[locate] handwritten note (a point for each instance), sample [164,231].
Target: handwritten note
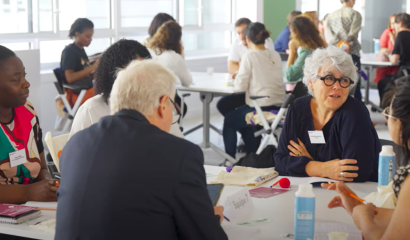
[239,206]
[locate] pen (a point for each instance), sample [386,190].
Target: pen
[359,199]
[227,219]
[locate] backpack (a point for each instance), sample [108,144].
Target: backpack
[263,160]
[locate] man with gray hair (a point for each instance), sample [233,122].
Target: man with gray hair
[125,177]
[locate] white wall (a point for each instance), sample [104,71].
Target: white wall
[31,61]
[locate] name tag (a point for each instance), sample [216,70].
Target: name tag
[316,137]
[17,157]
[239,206]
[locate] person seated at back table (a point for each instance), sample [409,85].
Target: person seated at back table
[260,74]
[328,133]
[305,35]
[117,56]
[381,223]
[282,41]
[74,65]
[157,22]
[238,49]
[133,178]
[20,133]
[401,51]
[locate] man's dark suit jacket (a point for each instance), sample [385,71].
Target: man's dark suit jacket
[124,178]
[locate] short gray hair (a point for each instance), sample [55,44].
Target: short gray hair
[330,57]
[140,86]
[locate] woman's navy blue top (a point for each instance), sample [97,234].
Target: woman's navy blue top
[349,134]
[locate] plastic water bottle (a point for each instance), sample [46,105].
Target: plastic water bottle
[376,45]
[387,167]
[305,212]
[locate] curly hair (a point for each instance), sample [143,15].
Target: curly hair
[167,37]
[117,56]
[305,33]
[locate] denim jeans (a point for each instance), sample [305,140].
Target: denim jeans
[235,122]
[231,102]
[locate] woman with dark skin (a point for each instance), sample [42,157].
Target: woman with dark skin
[20,133]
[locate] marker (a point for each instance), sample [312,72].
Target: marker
[359,199]
[57,184]
[227,219]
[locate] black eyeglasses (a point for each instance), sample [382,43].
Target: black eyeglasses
[176,112]
[386,114]
[329,80]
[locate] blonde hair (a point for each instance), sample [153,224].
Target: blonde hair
[140,86]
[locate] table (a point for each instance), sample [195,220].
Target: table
[368,61]
[209,86]
[280,209]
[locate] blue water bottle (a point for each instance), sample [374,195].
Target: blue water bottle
[305,212]
[387,167]
[376,45]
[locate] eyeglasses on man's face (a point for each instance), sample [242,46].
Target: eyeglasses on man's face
[176,112]
[329,80]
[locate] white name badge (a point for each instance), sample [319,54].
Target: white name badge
[316,137]
[239,206]
[17,157]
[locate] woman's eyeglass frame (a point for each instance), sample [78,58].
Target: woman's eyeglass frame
[386,114]
[335,80]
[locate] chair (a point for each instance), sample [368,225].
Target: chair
[268,130]
[61,85]
[405,70]
[55,144]
[181,120]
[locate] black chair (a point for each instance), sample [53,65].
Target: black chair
[61,85]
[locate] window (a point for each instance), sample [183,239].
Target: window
[139,13]
[98,11]
[245,8]
[310,5]
[206,40]
[190,16]
[216,11]
[15,14]
[17,46]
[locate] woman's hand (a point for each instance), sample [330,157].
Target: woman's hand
[343,200]
[298,150]
[219,211]
[333,169]
[43,191]
[363,211]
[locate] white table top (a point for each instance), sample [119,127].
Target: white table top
[369,59]
[280,209]
[215,83]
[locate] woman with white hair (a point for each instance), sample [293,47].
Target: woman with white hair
[328,133]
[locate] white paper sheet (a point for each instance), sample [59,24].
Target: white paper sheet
[323,228]
[42,204]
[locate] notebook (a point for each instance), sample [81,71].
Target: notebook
[15,214]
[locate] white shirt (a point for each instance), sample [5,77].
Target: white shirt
[95,108]
[174,62]
[238,49]
[260,74]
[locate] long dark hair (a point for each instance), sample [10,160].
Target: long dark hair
[80,25]
[118,55]
[306,34]
[158,20]
[257,33]
[401,109]
[167,37]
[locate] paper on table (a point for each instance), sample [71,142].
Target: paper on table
[322,229]
[42,204]
[236,232]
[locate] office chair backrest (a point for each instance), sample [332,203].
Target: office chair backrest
[60,80]
[300,90]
